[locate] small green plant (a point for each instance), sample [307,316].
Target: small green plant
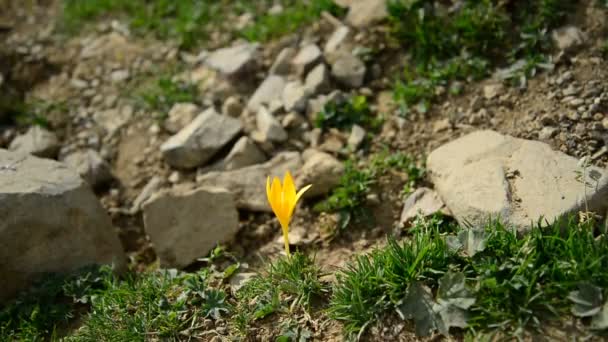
[349,197]
[289,283]
[512,284]
[294,15]
[165,93]
[346,113]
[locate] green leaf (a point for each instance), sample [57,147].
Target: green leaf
[453,300]
[418,305]
[587,300]
[473,240]
[229,271]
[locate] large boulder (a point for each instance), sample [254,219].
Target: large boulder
[185,224]
[51,222]
[198,142]
[249,184]
[486,174]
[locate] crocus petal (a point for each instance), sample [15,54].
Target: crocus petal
[275,195]
[289,193]
[302,191]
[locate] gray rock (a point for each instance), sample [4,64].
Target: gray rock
[307,58]
[295,96]
[112,120]
[271,89]
[149,189]
[282,63]
[547,133]
[186,224]
[244,153]
[51,222]
[232,107]
[337,39]
[180,115]
[423,201]
[90,166]
[36,141]
[348,70]
[293,120]
[357,136]
[486,174]
[248,184]
[200,140]
[317,80]
[321,170]
[269,126]
[568,38]
[362,13]
[233,60]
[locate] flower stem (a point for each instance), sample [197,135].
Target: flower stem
[286,240]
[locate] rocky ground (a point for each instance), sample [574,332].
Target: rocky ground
[177,143]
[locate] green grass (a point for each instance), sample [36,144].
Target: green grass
[346,113]
[295,15]
[469,42]
[288,284]
[506,283]
[349,197]
[162,94]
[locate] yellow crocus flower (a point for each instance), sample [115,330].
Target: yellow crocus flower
[283,199]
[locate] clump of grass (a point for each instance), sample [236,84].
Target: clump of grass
[295,15]
[349,197]
[514,283]
[458,43]
[164,93]
[346,113]
[50,305]
[289,283]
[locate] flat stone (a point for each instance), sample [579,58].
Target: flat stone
[180,115]
[90,166]
[357,136]
[307,58]
[153,186]
[282,63]
[348,70]
[248,184]
[271,89]
[321,170]
[233,60]
[363,13]
[423,201]
[568,38]
[337,40]
[36,141]
[51,223]
[244,153]
[486,174]
[317,81]
[295,96]
[269,127]
[185,224]
[198,142]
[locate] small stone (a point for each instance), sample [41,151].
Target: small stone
[547,133]
[295,96]
[568,38]
[233,60]
[293,120]
[244,153]
[317,80]
[348,70]
[186,224]
[333,144]
[232,107]
[180,115]
[269,126]
[149,189]
[491,91]
[239,280]
[337,40]
[282,63]
[321,170]
[363,13]
[36,141]
[307,57]
[423,201]
[271,89]
[441,125]
[198,142]
[90,166]
[119,76]
[357,136]
[174,177]
[112,120]
[78,83]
